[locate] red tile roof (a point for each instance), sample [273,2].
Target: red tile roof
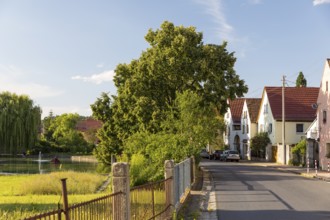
[88,124]
[298,102]
[236,107]
[253,105]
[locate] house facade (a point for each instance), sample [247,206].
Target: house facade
[233,134]
[299,115]
[249,124]
[323,111]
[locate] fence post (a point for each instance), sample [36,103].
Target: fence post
[169,185]
[65,199]
[120,183]
[193,170]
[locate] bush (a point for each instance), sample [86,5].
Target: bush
[299,151]
[139,170]
[259,143]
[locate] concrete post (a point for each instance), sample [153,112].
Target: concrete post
[193,170]
[120,183]
[169,185]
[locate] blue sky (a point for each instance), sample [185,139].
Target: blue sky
[63,53]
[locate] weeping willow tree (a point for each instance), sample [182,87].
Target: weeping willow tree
[20,123]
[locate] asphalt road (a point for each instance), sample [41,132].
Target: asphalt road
[245,191]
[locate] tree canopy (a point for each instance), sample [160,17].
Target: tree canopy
[62,133]
[177,61]
[20,123]
[301,81]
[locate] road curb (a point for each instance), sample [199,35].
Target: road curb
[208,205]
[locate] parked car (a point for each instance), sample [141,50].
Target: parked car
[217,154]
[204,153]
[224,155]
[232,155]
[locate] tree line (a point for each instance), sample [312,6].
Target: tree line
[20,123]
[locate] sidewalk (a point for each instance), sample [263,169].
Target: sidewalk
[201,204]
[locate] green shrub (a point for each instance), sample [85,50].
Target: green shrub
[139,170]
[259,143]
[299,151]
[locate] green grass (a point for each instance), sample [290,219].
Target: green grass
[26,195]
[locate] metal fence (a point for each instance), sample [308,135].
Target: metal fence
[52,215]
[97,209]
[182,180]
[151,201]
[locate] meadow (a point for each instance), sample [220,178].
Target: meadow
[26,195]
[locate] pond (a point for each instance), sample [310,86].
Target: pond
[40,165]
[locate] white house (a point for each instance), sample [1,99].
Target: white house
[232,137]
[299,115]
[323,109]
[249,124]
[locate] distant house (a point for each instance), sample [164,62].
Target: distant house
[232,137]
[299,115]
[88,124]
[249,124]
[323,109]
[88,128]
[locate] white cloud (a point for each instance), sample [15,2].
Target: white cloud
[320,2]
[216,10]
[106,76]
[15,80]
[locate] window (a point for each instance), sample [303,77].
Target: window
[244,114]
[326,86]
[270,128]
[324,116]
[247,129]
[299,128]
[236,127]
[327,153]
[265,108]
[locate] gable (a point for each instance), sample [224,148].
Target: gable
[253,106]
[236,107]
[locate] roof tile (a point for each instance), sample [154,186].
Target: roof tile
[236,107]
[253,105]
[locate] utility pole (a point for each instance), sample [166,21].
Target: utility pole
[283,119]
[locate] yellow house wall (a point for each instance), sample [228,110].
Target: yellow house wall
[291,136]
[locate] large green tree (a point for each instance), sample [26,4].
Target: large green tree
[188,127]
[176,61]
[20,123]
[61,130]
[301,81]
